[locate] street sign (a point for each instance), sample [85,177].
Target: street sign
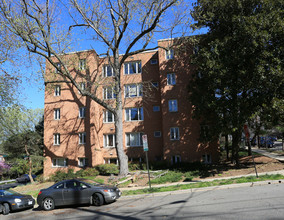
[145,142]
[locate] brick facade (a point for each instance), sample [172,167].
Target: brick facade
[171,131]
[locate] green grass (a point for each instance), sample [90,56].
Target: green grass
[204,184]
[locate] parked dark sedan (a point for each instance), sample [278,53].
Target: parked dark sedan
[25,178]
[12,201]
[73,192]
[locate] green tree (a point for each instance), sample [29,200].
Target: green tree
[239,62]
[125,27]
[24,132]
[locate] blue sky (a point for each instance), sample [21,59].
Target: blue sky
[32,88]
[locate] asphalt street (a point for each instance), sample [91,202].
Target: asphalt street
[245,201]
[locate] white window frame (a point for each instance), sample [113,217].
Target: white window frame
[171,79]
[56,139]
[173,105]
[82,64]
[138,143]
[137,66]
[56,160]
[106,114]
[56,113]
[156,108]
[106,140]
[57,90]
[82,112]
[140,112]
[169,54]
[82,161]
[174,133]
[82,137]
[107,91]
[133,90]
[157,134]
[105,70]
[107,160]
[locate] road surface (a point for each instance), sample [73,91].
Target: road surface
[249,202]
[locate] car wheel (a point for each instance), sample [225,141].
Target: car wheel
[48,204]
[97,199]
[6,209]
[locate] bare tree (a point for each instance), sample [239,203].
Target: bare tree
[121,26]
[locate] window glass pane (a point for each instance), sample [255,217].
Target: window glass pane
[110,141]
[126,68]
[139,67]
[132,68]
[134,114]
[141,114]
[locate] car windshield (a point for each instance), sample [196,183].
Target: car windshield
[8,192]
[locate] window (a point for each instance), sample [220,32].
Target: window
[82,111]
[134,114]
[153,61]
[56,139]
[157,133]
[134,139]
[82,64]
[59,162]
[169,54]
[82,86]
[173,106]
[176,159]
[108,117]
[133,90]
[57,90]
[57,113]
[109,140]
[107,71]
[204,132]
[174,133]
[82,138]
[132,67]
[58,67]
[111,161]
[171,79]
[82,161]
[109,93]
[155,84]
[156,108]
[206,158]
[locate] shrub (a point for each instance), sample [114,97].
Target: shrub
[107,169]
[169,177]
[190,175]
[61,175]
[87,172]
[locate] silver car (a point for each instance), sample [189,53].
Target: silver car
[73,192]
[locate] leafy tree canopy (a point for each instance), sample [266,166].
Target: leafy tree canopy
[239,61]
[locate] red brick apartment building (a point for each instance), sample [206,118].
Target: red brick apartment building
[79,132]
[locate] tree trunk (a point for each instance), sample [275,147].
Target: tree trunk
[236,135]
[227,146]
[30,163]
[122,157]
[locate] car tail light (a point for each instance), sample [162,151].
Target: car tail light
[39,193]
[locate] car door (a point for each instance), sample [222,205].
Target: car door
[84,192]
[71,193]
[57,194]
